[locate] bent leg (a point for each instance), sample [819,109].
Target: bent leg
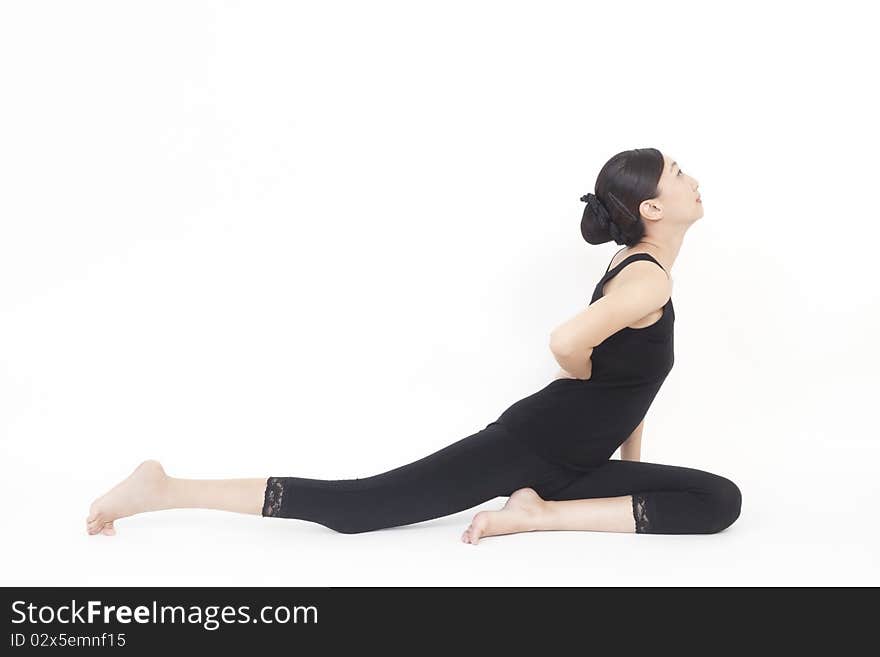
[665,499]
[487,464]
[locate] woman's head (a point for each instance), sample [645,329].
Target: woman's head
[635,191]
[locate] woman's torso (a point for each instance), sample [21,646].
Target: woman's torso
[642,351]
[581,422]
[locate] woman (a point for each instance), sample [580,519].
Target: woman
[549,452]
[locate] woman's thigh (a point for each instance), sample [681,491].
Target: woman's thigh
[487,464]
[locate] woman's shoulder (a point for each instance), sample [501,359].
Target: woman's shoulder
[642,271]
[626,254]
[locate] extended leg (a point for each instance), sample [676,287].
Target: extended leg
[149,488]
[484,465]
[480,467]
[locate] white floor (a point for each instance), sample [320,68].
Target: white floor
[807,519]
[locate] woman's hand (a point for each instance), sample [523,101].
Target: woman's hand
[574,366]
[565,374]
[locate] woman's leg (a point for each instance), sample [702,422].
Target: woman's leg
[487,464]
[473,470]
[623,496]
[149,488]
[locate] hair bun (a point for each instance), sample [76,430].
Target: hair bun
[597,226]
[595,204]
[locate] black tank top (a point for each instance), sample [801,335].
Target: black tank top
[580,423]
[636,355]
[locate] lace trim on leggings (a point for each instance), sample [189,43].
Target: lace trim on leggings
[640,513]
[273,496]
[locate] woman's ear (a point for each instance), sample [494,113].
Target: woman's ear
[650,209]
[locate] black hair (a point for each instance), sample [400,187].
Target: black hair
[627,179]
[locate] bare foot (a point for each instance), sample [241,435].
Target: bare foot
[143,490]
[518,515]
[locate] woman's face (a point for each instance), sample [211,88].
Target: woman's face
[679,194]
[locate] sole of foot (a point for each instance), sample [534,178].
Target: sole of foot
[141,491]
[517,515]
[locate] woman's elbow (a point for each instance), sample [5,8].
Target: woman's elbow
[560,344]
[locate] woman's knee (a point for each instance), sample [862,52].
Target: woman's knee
[726,500]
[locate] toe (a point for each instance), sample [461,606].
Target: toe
[94,510]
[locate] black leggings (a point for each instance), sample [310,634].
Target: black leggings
[666,499]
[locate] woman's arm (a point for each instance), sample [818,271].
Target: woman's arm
[580,368]
[562,373]
[631,449]
[641,289]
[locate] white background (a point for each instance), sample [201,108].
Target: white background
[327,239]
